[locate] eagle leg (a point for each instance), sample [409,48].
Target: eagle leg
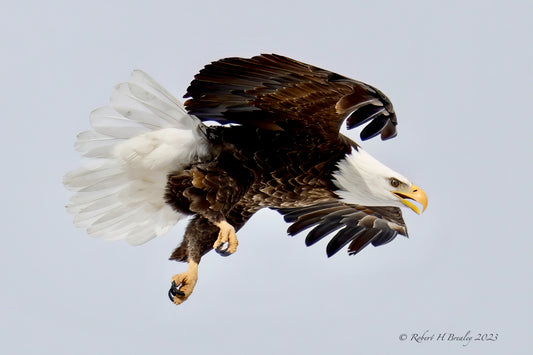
[226,235]
[183,284]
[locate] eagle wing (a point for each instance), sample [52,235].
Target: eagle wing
[357,225]
[275,92]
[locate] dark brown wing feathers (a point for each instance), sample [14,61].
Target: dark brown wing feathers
[358,225]
[275,92]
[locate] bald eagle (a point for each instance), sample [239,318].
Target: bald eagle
[274,142]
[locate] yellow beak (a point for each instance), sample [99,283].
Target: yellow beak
[416,194]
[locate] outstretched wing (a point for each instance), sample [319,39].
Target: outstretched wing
[357,225]
[275,92]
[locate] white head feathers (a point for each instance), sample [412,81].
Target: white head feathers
[363,180]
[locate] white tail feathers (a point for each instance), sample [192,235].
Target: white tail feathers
[136,141]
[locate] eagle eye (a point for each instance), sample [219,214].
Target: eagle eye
[394,182]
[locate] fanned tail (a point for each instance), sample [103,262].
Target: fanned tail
[135,142]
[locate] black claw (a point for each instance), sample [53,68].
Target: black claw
[170,295]
[174,291]
[222,252]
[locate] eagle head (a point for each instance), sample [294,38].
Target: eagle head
[363,180]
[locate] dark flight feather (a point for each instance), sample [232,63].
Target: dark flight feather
[362,115]
[384,238]
[363,240]
[292,214]
[374,128]
[322,230]
[342,238]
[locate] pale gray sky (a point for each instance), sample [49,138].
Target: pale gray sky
[460,76]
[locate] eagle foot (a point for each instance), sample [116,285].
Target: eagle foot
[174,291]
[183,284]
[227,237]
